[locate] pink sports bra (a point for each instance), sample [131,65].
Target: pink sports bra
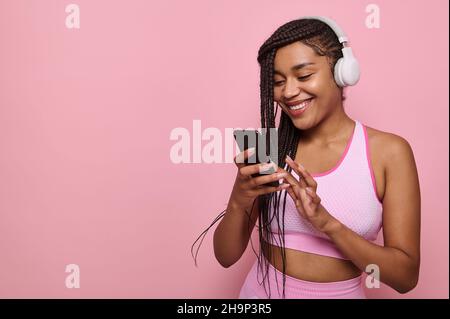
[347,191]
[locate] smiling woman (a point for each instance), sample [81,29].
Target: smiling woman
[314,76]
[353,180]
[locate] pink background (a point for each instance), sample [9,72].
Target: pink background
[85,119]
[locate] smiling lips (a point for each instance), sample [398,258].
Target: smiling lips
[297,109]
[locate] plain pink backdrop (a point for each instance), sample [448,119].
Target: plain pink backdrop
[86,115]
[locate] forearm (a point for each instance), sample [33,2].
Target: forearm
[232,235]
[397,268]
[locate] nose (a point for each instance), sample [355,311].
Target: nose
[291,89]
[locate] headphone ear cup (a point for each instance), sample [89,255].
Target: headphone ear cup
[350,71]
[347,69]
[338,73]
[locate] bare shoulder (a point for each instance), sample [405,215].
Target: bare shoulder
[390,148]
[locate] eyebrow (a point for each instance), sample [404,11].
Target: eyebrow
[296,67]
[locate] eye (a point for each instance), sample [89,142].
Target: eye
[278,83]
[302,78]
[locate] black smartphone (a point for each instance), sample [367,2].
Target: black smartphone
[252,138]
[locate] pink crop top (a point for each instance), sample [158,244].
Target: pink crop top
[347,191]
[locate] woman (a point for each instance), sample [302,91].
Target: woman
[342,182]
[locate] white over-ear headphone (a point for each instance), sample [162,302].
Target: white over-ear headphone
[346,70]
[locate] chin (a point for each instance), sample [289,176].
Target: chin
[302,123]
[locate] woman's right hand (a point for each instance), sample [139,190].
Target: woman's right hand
[246,188]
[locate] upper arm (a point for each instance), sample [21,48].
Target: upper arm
[401,202]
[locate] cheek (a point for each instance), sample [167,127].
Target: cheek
[319,86]
[314,87]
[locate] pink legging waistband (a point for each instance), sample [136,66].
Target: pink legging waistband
[253,288]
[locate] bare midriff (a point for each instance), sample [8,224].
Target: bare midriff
[312,267]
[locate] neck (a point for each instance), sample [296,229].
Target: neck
[333,127]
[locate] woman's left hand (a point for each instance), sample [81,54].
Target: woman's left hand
[304,195]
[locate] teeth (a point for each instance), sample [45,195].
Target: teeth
[300,106]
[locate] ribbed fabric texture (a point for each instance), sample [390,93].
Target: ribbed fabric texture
[347,191]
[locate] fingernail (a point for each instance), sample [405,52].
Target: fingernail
[251,151]
[284,186]
[309,190]
[289,158]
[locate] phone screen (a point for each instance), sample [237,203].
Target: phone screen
[252,138]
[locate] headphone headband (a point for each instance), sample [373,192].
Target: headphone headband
[346,69]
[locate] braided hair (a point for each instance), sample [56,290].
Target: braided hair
[323,40]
